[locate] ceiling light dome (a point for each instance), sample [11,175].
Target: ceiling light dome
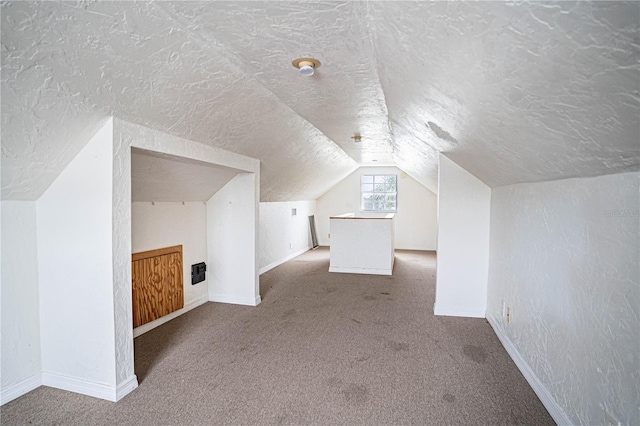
[306,70]
[307,66]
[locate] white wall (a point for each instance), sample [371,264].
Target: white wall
[166,224]
[282,235]
[362,245]
[463,242]
[232,221]
[564,257]
[416,225]
[74,226]
[21,362]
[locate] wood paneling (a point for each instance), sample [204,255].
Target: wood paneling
[156,284]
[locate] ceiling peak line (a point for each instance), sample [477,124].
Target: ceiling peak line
[368,28]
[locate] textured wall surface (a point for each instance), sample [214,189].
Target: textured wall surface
[123,136]
[74,228]
[564,257]
[415,220]
[19,293]
[463,242]
[171,224]
[281,233]
[512,91]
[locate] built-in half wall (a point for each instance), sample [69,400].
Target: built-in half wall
[362,244]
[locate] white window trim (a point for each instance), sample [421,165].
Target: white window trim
[375,192]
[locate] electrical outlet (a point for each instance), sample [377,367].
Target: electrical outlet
[290,245]
[508,315]
[609,420]
[504,309]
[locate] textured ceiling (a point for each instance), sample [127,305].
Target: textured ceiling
[513,92]
[161,177]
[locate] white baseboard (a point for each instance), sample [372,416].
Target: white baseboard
[281,261]
[153,324]
[556,412]
[235,300]
[14,391]
[126,387]
[71,384]
[459,312]
[84,387]
[368,271]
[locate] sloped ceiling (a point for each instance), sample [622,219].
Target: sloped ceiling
[513,92]
[160,177]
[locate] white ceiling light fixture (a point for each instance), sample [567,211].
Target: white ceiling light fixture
[307,66]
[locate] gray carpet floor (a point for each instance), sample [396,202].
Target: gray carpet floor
[321,349]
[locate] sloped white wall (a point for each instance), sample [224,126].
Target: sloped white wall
[463,242]
[74,227]
[282,235]
[564,257]
[21,361]
[416,224]
[165,224]
[232,221]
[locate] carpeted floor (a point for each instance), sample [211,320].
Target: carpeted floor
[321,349]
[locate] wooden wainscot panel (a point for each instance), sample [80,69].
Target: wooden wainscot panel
[156,284]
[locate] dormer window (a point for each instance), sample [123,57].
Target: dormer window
[379,193]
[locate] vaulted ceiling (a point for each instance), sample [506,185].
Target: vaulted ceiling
[513,92]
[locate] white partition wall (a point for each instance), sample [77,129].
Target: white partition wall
[74,228]
[463,242]
[232,216]
[21,361]
[362,244]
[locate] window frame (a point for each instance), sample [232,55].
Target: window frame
[373,191]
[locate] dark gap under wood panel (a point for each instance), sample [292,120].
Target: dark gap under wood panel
[157,286]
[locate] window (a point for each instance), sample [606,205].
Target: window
[379,193]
